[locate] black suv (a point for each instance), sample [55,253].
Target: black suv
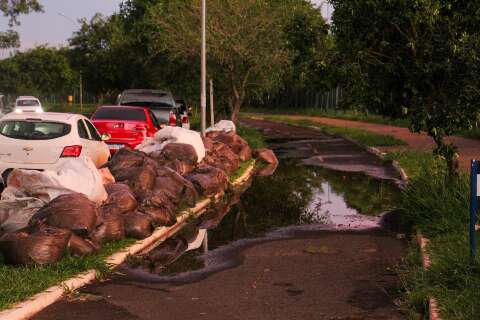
[161,102]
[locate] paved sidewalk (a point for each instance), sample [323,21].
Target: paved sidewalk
[468,148]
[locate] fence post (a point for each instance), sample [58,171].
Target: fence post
[473,208]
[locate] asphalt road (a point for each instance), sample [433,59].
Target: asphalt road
[317,274]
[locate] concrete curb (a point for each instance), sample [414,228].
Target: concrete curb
[27,309]
[433,309]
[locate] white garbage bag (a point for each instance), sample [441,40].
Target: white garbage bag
[18,212]
[173,135]
[76,175]
[223,125]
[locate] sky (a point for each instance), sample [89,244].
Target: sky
[56,25]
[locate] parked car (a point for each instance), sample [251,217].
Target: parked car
[126,126]
[44,141]
[160,102]
[184,113]
[28,104]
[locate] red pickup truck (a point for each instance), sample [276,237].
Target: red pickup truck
[127,126]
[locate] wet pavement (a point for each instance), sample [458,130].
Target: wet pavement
[304,243]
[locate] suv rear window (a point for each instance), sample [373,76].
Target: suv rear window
[120,114]
[27,103]
[33,130]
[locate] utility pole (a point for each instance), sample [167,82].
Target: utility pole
[203,94]
[212,107]
[81,93]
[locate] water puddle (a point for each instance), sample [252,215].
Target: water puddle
[296,201]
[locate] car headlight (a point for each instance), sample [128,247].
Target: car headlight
[18,110]
[38,110]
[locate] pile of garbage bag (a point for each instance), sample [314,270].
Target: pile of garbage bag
[80,208]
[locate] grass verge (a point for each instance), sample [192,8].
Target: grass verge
[361,136]
[353,115]
[18,283]
[241,170]
[438,207]
[254,138]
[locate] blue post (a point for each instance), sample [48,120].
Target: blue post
[473,208]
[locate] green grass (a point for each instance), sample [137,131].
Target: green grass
[18,283]
[353,115]
[361,136]
[438,207]
[241,170]
[414,162]
[254,138]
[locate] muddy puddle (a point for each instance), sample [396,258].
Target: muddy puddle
[296,201]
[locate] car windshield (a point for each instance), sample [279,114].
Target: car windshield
[27,103]
[33,130]
[124,114]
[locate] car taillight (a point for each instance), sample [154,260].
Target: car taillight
[172,120]
[71,152]
[185,119]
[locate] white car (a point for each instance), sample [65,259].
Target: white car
[44,141]
[28,104]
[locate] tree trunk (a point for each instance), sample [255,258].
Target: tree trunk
[449,152]
[236,105]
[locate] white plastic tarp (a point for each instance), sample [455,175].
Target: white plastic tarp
[76,175]
[173,135]
[223,125]
[17,213]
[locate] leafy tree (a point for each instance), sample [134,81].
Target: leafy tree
[11,9]
[41,71]
[418,58]
[246,44]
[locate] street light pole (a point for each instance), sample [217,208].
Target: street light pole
[203,94]
[212,108]
[81,93]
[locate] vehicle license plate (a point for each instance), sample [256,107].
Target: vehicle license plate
[115,146]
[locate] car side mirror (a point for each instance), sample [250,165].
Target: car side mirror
[106,137]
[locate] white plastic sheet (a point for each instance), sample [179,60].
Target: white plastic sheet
[223,125]
[18,212]
[76,175]
[173,135]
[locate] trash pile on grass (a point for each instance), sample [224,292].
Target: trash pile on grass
[80,208]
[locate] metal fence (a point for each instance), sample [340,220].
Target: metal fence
[304,99]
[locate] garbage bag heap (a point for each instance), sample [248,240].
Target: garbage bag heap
[149,190]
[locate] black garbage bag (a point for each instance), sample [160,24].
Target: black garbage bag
[160,208]
[112,228]
[143,180]
[71,211]
[208,180]
[179,190]
[177,151]
[44,246]
[124,201]
[125,158]
[138,225]
[117,187]
[81,247]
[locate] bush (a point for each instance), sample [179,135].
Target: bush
[436,204]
